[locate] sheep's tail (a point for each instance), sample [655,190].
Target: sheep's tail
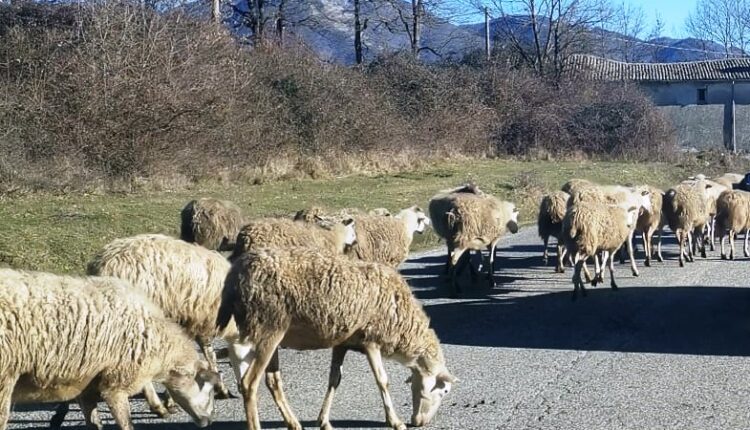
[229,297]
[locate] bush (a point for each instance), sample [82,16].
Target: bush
[110,93]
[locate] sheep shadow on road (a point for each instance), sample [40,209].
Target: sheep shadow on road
[674,320]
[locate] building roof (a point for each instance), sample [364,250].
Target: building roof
[598,68]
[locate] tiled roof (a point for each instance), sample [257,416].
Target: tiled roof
[597,68]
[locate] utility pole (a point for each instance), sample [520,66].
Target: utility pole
[487,32]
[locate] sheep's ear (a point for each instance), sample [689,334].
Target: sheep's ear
[348,221]
[317,218]
[515,210]
[632,209]
[708,186]
[408,380]
[645,192]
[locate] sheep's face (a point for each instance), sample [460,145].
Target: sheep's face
[645,198]
[427,392]
[192,389]
[631,216]
[350,236]
[417,221]
[513,222]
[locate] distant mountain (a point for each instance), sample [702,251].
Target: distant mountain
[327,28]
[614,45]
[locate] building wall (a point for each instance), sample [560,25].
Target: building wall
[686,93]
[701,126]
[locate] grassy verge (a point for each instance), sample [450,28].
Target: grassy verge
[60,233]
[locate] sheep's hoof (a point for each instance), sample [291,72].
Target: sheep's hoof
[162,411]
[723,257]
[298,426]
[703,253]
[731,257]
[636,273]
[613,285]
[747,254]
[326,426]
[660,259]
[647,263]
[559,270]
[397,426]
[225,394]
[682,263]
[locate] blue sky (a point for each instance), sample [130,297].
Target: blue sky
[673,13]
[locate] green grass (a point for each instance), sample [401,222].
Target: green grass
[60,233]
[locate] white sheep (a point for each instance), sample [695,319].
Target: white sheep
[67,338]
[303,299]
[471,221]
[733,215]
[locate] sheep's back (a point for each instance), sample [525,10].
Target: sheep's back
[381,239]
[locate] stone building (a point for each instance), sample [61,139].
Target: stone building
[707,101]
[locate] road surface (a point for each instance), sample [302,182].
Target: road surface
[668,350]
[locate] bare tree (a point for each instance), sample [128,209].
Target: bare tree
[628,21]
[721,21]
[216,11]
[544,33]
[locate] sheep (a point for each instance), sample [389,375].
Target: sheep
[211,223]
[184,279]
[592,227]
[379,212]
[638,196]
[685,211]
[303,299]
[711,191]
[733,214]
[649,222]
[88,339]
[551,213]
[470,221]
[729,179]
[282,232]
[387,240]
[574,185]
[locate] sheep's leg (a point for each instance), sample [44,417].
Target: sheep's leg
[88,400]
[606,256]
[577,281]
[119,407]
[491,268]
[251,379]
[597,272]
[276,387]
[659,257]
[206,345]
[681,241]
[621,254]
[448,261]
[6,397]
[700,238]
[722,241]
[376,364]
[612,282]
[745,250]
[545,255]
[240,355]
[154,402]
[586,272]
[334,379]
[59,417]
[731,244]
[712,232]
[459,258]
[631,254]
[561,252]
[646,248]
[691,243]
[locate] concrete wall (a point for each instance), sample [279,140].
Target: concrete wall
[701,126]
[686,93]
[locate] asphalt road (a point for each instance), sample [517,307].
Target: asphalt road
[668,350]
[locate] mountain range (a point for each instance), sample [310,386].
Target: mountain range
[327,28]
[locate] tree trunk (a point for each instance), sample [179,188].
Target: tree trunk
[216,11]
[357,33]
[416,27]
[280,22]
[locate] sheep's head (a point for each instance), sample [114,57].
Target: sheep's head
[415,218]
[512,224]
[192,388]
[379,212]
[644,196]
[350,236]
[428,391]
[631,216]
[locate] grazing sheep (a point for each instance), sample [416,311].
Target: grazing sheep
[574,185]
[685,211]
[184,279]
[385,239]
[282,232]
[89,339]
[275,296]
[649,222]
[551,213]
[379,212]
[592,227]
[733,215]
[729,179]
[211,223]
[469,221]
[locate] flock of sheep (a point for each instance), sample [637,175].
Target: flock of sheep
[592,221]
[313,281]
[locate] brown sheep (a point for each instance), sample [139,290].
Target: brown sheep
[551,213]
[685,211]
[733,215]
[275,297]
[211,223]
